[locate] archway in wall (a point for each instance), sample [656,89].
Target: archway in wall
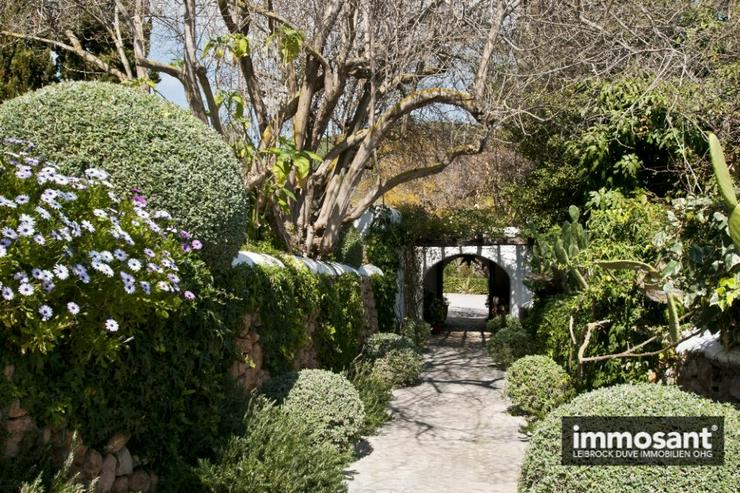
[462,291]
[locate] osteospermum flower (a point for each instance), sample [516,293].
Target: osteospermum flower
[100,213]
[196,244]
[8,293]
[22,199]
[134,264]
[38,238]
[43,213]
[149,252]
[111,325]
[3,251]
[73,308]
[23,172]
[189,295]
[120,254]
[46,312]
[26,229]
[36,273]
[146,287]
[25,289]
[88,226]
[61,271]
[106,256]
[10,233]
[163,286]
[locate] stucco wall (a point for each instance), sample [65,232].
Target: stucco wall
[514,259]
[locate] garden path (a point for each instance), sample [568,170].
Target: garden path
[450,434]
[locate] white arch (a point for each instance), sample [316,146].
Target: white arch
[512,258]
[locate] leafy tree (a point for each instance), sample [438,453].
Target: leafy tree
[24,66]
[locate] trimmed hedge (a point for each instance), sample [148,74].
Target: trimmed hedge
[468,285]
[380,343]
[327,400]
[508,345]
[543,473]
[537,385]
[143,141]
[399,367]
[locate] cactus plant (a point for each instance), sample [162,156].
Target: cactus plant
[726,188]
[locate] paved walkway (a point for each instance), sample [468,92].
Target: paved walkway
[451,433]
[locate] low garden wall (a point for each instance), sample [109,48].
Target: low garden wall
[299,313]
[709,369]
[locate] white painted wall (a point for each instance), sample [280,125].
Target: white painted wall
[513,259]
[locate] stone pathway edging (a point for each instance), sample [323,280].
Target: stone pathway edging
[452,433]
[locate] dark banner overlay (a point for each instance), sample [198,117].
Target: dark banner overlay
[643,441]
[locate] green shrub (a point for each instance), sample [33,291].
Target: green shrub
[468,285]
[160,376]
[379,344]
[418,331]
[65,252]
[326,399]
[278,452]
[340,322]
[349,249]
[499,322]
[143,141]
[508,345]
[537,385]
[542,471]
[385,288]
[399,367]
[375,393]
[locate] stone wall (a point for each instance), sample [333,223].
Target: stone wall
[114,467]
[708,369]
[248,372]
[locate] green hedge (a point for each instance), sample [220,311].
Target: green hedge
[143,141]
[286,298]
[468,285]
[537,385]
[399,367]
[325,399]
[543,473]
[381,343]
[508,345]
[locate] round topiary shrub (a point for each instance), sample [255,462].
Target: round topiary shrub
[537,385]
[508,345]
[399,368]
[143,142]
[380,343]
[542,471]
[326,399]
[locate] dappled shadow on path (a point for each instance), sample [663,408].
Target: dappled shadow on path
[454,425]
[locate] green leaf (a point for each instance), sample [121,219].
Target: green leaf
[721,172]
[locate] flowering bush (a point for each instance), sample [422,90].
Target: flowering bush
[77,260]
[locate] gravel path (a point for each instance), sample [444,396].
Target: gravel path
[451,433]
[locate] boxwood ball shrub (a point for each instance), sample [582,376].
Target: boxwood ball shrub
[537,385]
[400,367]
[326,399]
[143,142]
[380,343]
[508,345]
[543,473]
